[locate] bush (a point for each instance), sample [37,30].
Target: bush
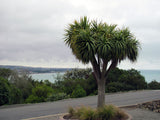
[107,112]
[15,95]
[78,92]
[42,91]
[5,73]
[85,113]
[114,74]
[4,91]
[133,78]
[68,84]
[39,94]
[114,87]
[77,74]
[90,85]
[34,99]
[111,89]
[124,80]
[69,81]
[23,82]
[57,96]
[117,86]
[154,85]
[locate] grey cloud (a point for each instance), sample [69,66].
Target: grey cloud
[33,31]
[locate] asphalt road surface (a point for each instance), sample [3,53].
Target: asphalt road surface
[18,112]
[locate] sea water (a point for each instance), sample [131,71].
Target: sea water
[47,76]
[149,75]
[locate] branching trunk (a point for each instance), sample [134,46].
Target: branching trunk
[101,77]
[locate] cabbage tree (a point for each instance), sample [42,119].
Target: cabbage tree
[102,45]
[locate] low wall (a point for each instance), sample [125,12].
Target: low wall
[153,106]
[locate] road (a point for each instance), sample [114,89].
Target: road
[18,112]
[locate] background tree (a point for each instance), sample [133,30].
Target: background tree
[4,91]
[23,82]
[103,45]
[71,79]
[5,73]
[39,94]
[154,85]
[125,80]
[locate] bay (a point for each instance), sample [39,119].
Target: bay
[46,76]
[149,75]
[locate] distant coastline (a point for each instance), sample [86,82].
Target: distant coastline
[149,75]
[35,69]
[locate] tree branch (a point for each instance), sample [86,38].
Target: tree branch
[96,69]
[113,65]
[105,64]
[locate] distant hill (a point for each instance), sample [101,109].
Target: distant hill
[35,69]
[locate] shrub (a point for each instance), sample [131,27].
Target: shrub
[15,95]
[57,96]
[71,111]
[114,87]
[69,81]
[107,112]
[111,89]
[117,86]
[154,85]
[22,81]
[4,91]
[124,80]
[34,99]
[85,113]
[39,94]
[5,73]
[133,78]
[114,74]
[42,91]
[89,85]
[78,92]
[77,74]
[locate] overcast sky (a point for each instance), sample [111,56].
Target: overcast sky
[32,31]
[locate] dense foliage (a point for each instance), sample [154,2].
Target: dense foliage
[154,85]
[18,88]
[4,91]
[39,94]
[125,80]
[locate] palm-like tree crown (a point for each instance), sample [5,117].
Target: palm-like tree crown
[92,41]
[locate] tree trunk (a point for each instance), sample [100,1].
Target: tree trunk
[101,93]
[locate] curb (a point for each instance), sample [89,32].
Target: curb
[46,116]
[128,106]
